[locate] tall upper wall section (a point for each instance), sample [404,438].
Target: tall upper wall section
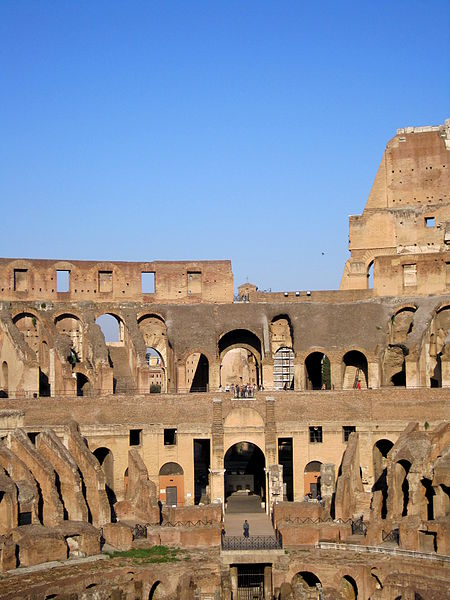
[171,282]
[408,209]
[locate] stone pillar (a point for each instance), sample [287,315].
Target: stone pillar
[268,582]
[373,375]
[234,581]
[216,472]
[267,374]
[327,484]
[275,486]
[214,376]
[299,375]
[336,375]
[270,432]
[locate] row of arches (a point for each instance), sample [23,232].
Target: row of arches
[239,359]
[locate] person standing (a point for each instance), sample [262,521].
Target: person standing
[246,528]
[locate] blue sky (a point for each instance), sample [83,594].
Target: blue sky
[169,130]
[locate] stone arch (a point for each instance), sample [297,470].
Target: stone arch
[156,591]
[244,464]
[112,327]
[317,371]
[5,380]
[306,584]
[281,333]
[370,275]
[70,325]
[401,494]
[84,386]
[354,369]
[154,331]
[348,588]
[30,327]
[106,461]
[171,484]
[402,323]
[311,478]
[244,361]
[380,451]
[438,371]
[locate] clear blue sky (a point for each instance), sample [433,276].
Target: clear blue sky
[243,129]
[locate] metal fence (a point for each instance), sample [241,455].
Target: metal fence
[253,542]
[382,550]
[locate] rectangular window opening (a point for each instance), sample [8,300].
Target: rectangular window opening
[194,282]
[315,435]
[346,431]
[148,282]
[32,436]
[62,281]
[170,437]
[430,222]
[105,281]
[135,437]
[20,280]
[409,275]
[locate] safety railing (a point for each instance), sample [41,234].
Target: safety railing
[382,550]
[253,542]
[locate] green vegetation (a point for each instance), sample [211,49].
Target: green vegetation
[326,372]
[155,554]
[155,388]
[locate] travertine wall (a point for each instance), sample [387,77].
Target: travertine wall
[175,282]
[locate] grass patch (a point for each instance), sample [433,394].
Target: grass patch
[155,554]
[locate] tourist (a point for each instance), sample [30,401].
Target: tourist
[246,528]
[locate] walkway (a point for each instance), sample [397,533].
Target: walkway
[242,506]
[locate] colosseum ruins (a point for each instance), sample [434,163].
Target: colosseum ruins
[147,412]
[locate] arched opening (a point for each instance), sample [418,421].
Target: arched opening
[157,370]
[355,370]
[158,351]
[112,328]
[171,484]
[5,382]
[240,358]
[370,279]
[348,588]
[312,480]
[380,451]
[83,385]
[245,476]
[402,323]
[125,482]
[401,470]
[30,327]
[70,325]
[429,493]
[155,591]
[317,372]
[197,372]
[283,369]
[239,366]
[281,333]
[306,585]
[440,328]
[106,461]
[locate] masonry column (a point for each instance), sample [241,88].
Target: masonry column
[268,582]
[216,472]
[234,581]
[335,374]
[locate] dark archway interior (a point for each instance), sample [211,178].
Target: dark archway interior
[317,366]
[244,469]
[239,337]
[200,380]
[356,359]
[380,452]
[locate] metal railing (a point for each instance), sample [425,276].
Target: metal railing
[391,536]
[253,542]
[359,527]
[382,550]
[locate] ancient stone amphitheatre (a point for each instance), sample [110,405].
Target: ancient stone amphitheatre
[128,464]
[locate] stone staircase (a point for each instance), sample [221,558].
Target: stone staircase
[123,378]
